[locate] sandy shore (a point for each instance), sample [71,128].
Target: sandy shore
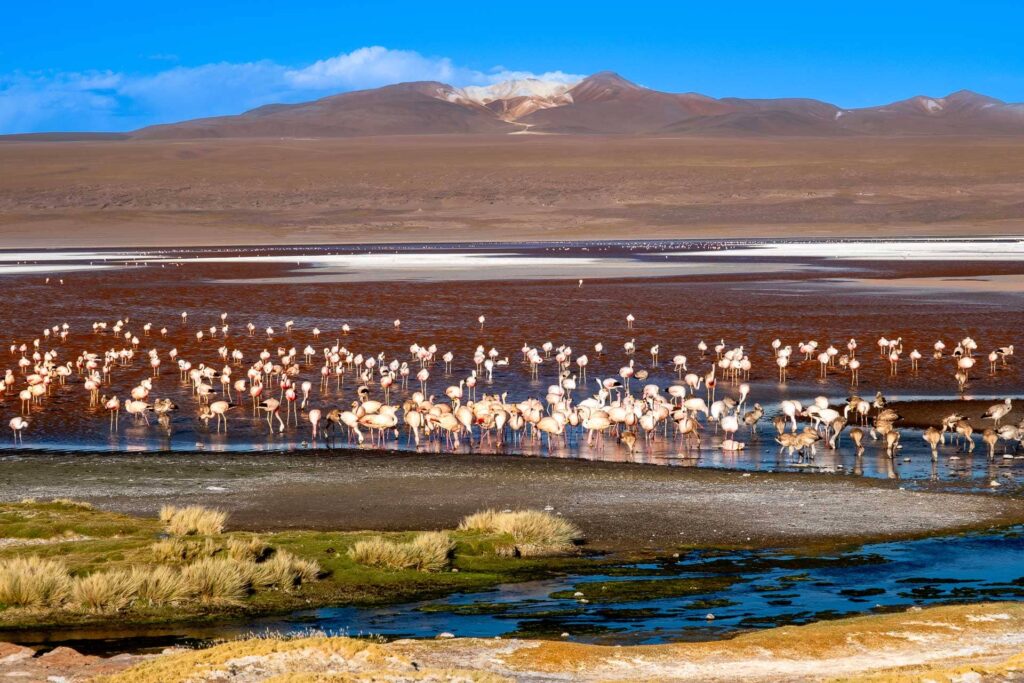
[619,506]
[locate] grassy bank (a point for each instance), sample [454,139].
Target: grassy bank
[105,567]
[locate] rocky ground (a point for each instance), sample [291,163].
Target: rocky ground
[956,643]
[19,663]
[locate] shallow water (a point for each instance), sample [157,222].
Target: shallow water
[743,307]
[743,591]
[655,602]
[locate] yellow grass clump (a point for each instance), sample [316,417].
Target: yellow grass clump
[533,532]
[253,549]
[192,520]
[216,580]
[285,571]
[180,550]
[429,551]
[110,591]
[33,582]
[158,586]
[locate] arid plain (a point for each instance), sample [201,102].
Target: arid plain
[265,192]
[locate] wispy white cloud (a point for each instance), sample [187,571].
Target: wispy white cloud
[498,75]
[368,67]
[105,100]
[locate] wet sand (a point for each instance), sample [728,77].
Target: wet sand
[619,506]
[979,286]
[923,414]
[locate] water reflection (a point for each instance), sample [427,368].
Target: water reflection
[664,600]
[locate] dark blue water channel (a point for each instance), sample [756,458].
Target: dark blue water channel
[701,595]
[674,599]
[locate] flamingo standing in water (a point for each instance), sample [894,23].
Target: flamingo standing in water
[219,410]
[17,425]
[965,363]
[314,421]
[272,407]
[113,406]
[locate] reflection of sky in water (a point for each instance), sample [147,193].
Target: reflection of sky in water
[579,259]
[912,465]
[744,590]
[766,589]
[997,249]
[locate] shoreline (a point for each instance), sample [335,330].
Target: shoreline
[344,586]
[622,507]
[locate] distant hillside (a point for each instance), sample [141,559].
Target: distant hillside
[604,103]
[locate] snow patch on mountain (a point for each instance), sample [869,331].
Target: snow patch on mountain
[515,98]
[522,87]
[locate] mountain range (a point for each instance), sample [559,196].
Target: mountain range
[604,103]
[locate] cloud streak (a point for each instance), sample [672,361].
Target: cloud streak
[111,101]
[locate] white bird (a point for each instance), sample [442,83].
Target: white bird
[998,411]
[17,425]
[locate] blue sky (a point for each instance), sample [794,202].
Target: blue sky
[120,65]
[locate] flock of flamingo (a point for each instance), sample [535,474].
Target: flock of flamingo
[288,388]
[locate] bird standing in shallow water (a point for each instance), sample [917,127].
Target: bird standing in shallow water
[17,425]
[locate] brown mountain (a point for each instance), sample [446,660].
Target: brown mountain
[403,109]
[960,112]
[608,103]
[604,103]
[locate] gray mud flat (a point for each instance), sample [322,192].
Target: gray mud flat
[619,506]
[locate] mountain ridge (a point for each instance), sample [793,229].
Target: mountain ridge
[603,103]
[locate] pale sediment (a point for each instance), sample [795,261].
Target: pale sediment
[946,641]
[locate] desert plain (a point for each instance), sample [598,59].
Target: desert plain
[513,188]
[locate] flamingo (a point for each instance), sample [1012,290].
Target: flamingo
[998,411]
[272,407]
[219,410]
[17,425]
[113,406]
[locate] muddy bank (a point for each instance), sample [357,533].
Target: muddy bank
[923,414]
[618,506]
